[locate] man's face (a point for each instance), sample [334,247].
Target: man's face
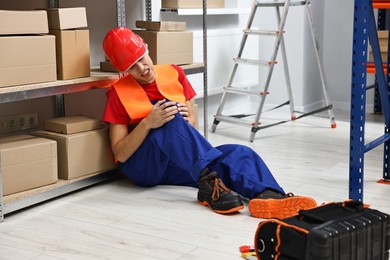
[143,71]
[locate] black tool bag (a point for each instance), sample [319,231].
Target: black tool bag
[333,231]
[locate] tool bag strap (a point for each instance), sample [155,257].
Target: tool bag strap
[331,211]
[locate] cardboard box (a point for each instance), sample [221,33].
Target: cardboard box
[161,25]
[27,162]
[83,153]
[72,124]
[27,59]
[67,18]
[383,43]
[191,4]
[23,22]
[383,54]
[383,37]
[107,67]
[73,53]
[169,47]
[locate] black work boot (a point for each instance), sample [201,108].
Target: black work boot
[214,194]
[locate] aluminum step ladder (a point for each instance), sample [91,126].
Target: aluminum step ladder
[281,17]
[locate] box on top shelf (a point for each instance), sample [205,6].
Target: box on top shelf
[191,4]
[27,59]
[383,42]
[73,53]
[67,18]
[27,162]
[169,47]
[107,66]
[383,50]
[383,37]
[80,154]
[23,22]
[72,124]
[161,25]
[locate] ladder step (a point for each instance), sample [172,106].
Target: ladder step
[234,120]
[279,4]
[256,62]
[261,32]
[243,91]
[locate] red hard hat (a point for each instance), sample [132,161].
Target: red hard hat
[123,48]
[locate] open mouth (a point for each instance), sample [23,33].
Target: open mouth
[145,73]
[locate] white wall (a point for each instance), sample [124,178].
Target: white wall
[336,48]
[335,24]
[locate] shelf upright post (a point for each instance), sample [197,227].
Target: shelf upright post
[382,98]
[121,13]
[205,87]
[364,29]
[59,100]
[121,20]
[383,91]
[148,10]
[1,194]
[358,98]
[382,17]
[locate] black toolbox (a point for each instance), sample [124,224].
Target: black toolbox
[334,231]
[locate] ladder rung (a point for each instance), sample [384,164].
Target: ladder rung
[256,62]
[278,4]
[261,32]
[243,91]
[234,120]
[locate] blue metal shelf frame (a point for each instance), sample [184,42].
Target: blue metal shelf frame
[364,30]
[382,17]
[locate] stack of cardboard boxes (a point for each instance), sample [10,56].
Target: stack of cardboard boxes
[383,45]
[31,53]
[27,52]
[83,145]
[69,148]
[69,26]
[27,56]
[43,45]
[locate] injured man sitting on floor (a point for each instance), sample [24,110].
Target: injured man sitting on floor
[153,138]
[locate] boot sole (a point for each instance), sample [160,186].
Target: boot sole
[279,208]
[232,210]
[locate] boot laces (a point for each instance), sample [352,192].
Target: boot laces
[219,188]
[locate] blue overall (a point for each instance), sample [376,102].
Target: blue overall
[176,153]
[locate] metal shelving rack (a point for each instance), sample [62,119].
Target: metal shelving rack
[57,90]
[365,29]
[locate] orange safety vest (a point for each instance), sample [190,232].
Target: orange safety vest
[134,98]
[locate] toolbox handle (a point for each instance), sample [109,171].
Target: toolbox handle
[331,211]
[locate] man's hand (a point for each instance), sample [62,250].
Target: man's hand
[184,111]
[162,112]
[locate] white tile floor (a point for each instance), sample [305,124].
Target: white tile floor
[117,220]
